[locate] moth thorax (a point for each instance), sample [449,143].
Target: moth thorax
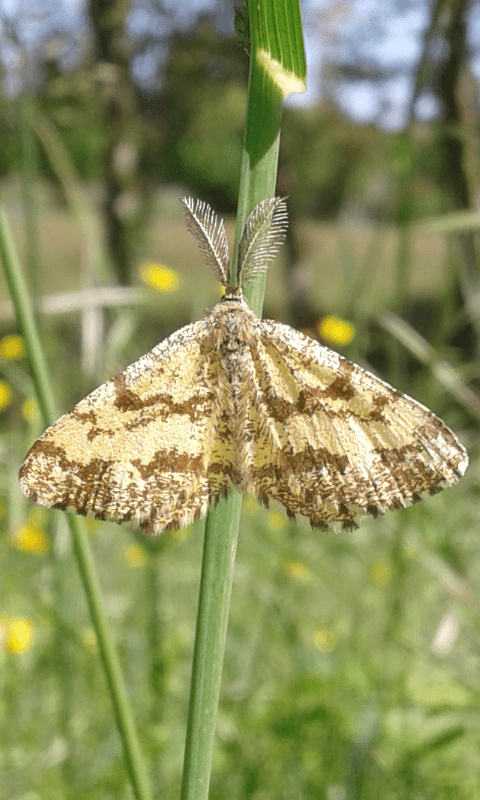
[234,365]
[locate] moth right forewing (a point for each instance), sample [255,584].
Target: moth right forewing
[209,231]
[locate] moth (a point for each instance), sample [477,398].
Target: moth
[236,401]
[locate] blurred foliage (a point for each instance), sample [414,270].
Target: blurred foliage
[9,151]
[352,661]
[192,128]
[72,102]
[325,162]
[203,114]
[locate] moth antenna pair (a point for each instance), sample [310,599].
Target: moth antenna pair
[262,236]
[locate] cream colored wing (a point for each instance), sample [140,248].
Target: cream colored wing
[333,441]
[138,449]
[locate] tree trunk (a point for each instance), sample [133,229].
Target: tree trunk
[121,199]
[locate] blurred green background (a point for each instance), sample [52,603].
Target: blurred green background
[352,661]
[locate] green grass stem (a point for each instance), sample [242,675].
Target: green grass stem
[108,654]
[257,181]
[29,193]
[221,533]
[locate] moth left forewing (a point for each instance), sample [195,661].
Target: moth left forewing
[137,449]
[351,444]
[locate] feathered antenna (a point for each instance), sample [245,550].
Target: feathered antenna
[262,236]
[209,231]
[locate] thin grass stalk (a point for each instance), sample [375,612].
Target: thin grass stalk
[62,661]
[60,652]
[93,266]
[257,181]
[219,550]
[29,193]
[442,370]
[83,210]
[108,654]
[154,586]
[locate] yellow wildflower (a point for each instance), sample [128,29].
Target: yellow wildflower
[90,641]
[410,550]
[163,279]
[298,570]
[380,573]
[336,331]
[5,395]
[276,521]
[19,635]
[11,347]
[324,639]
[3,630]
[30,409]
[30,538]
[134,555]
[250,506]
[92,525]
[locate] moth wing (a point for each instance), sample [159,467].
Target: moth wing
[333,441]
[137,449]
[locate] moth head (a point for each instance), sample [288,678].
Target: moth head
[234,295]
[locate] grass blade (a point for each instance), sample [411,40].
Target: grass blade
[108,654]
[257,182]
[221,533]
[446,375]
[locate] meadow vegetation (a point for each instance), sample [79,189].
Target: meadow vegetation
[352,660]
[349,655]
